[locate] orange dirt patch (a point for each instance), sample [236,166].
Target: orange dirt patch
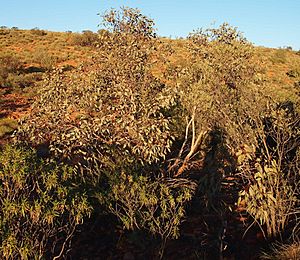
[14,106]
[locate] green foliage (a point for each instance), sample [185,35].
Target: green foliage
[218,82]
[39,205]
[270,198]
[102,116]
[10,65]
[154,205]
[13,74]
[45,59]
[7,126]
[272,169]
[279,56]
[22,80]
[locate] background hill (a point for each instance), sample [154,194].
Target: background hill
[26,55]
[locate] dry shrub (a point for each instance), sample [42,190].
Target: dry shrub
[283,252]
[217,91]
[38,32]
[272,170]
[86,38]
[45,59]
[102,114]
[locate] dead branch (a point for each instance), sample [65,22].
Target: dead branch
[197,140]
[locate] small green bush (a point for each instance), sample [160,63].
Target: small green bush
[45,59]
[39,32]
[9,63]
[10,66]
[270,199]
[272,169]
[7,126]
[86,38]
[22,80]
[39,205]
[294,73]
[280,56]
[13,74]
[154,205]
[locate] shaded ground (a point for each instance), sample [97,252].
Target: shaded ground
[200,238]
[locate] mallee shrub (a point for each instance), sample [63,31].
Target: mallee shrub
[111,110]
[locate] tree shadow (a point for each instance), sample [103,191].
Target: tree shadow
[33,69]
[213,229]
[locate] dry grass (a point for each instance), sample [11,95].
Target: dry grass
[23,43]
[283,252]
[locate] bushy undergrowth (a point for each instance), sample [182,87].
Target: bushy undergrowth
[135,139]
[109,122]
[9,65]
[13,74]
[272,170]
[43,58]
[39,205]
[154,205]
[7,126]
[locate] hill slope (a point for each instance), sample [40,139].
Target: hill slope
[27,55]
